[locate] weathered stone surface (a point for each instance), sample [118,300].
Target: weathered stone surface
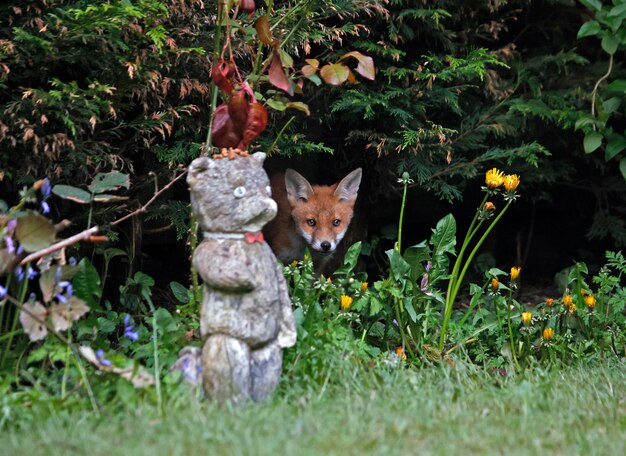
[246,318]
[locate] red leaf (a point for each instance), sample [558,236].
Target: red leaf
[238,110]
[335,74]
[247,6]
[223,131]
[366,64]
[220,73]
[262,26]
[277,76]
[257,122]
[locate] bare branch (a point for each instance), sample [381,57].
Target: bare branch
[82,236]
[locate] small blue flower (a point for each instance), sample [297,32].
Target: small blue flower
[19,273]
[102,359]
[72,261]
[128,329]
[12,224]
[19,250]
[3,292]
[45,208]
[31,273]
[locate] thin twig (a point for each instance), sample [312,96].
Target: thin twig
[82,236]
[598,82]
[150,201]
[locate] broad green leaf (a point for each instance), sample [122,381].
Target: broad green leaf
[616,144]
[609,44]
[592,141]
[109,182]
[622,167]
[277,104]
[375,306]
[315,79]
[181,293]
[610,106]
[71,193]
[619,85]
[285,58]
[299,106]
[408,305]
[34,231]
[350,259]
[86,283]
[588,29]
[618,10]
[592,4]
[335,74]
[585,121]
[443,238]
[399,267]
[366,64]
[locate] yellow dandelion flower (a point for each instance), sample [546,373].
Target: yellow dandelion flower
[583,292]
[548,333]
[363,286]
[511,182]
[400,353]
[495,284]
[549,301]
[567,301]
[527,318]
[329,280]
[572,308]
[590,300]
[494,178]
[346,302]
[294,263]
[515,270]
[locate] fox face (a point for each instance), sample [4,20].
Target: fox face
[322,214]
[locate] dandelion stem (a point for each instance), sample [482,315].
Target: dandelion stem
[511,338]
[399,243]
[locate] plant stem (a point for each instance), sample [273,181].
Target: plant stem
[280,133]
[399,243]
[508,319]
[16,317]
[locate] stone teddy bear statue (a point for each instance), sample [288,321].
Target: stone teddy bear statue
[246,318]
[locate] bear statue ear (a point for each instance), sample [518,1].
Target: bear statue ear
[259,156]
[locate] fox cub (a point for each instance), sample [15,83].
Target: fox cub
[311,216]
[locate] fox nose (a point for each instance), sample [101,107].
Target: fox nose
[325,246]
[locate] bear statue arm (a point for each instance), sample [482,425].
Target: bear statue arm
[287,332]
[222,270]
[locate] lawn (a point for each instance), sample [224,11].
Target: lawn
[433,410]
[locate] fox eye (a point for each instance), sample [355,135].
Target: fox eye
[311,222]
[336,222]
[239,192]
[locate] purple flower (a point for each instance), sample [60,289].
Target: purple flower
[19,250]
[45,208]
[31,273]
[428,266]
[395,322]
[19,273]
[3,292]
[8,240]
[72,261]
[128,329]
[424,283]
[66,291]
[12,224]
[101,358]
[46,188]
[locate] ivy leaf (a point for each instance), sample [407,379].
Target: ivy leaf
[181,293]
[366,64]
[262,27]
[609,44]
[109,182]
[588,29]
[592,141]
[619,85]
[277,76]
[32,316]
[335,74]
[86,283]
[72,193]
[34,232]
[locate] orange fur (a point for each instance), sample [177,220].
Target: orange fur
[315,217]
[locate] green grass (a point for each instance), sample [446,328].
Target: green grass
[461,410]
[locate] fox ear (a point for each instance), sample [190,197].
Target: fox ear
[348,187]
[298,188]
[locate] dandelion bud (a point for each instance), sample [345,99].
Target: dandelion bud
[567,301]
[572,308]
[400,353]
[550,301]
[489,207]
[494,178]
[548,333]
[583,292]
[363,286]
[527,318]
[346,302]
[495,284]
[590,301]
[515,270]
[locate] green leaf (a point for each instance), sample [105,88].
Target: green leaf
[350,259]
[592,4]
[617,10]
[592,141]
[622,167]
[375,306]
[616,144]
[609,44]
[610,106]
[181,293]
[71,193]
[588,29]
[619,85]
[277,104]
[86,283]
[408,305]
[34,231]
[443,238]
[399,267]
[335,74]
[109,182]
